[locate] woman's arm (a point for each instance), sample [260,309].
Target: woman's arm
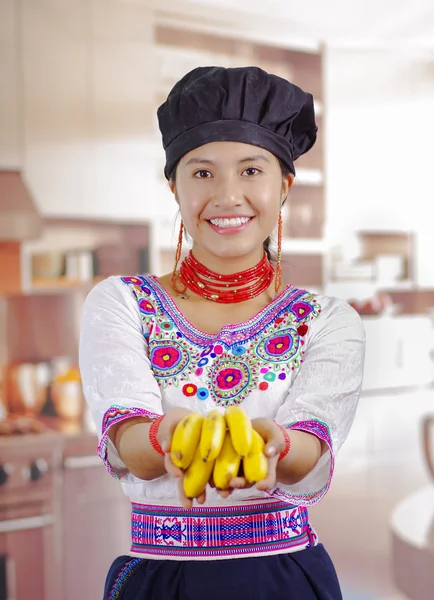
[321,404]
[131,439]
[305,451]
[118,383]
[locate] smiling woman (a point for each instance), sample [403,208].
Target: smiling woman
[223,330]
[227,188]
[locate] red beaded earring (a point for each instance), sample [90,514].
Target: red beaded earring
[278,277]
[177,259]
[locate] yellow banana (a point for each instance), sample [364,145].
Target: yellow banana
[255,464]
[258,443]
[197,475]
[186,439]
[212,436]
[227,465]
[240,428]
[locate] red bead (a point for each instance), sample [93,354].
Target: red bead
[263,386]
[225,288]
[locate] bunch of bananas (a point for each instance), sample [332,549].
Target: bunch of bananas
[215,445]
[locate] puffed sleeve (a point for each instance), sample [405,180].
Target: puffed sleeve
[324,397]
[117,379]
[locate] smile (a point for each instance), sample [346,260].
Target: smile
[226,223]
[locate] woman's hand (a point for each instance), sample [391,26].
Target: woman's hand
[267,429]
[274,446]
[165,434]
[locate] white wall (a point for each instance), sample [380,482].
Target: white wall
[380,146]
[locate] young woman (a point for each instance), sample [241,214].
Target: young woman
[222,330]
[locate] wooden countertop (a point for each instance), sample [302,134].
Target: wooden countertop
[69,436]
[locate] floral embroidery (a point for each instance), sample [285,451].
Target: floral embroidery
[136,280]
[302,330]
[270,376]
[165,358]
[202,393]
[229,378]
[238,350]
[279,345]
[189,389]
[146,307]
[207,351]
[228,366]
[230,381]
[282,348]
[301,310]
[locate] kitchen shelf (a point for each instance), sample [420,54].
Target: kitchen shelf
[60,284]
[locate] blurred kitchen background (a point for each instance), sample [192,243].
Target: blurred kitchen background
[82,196]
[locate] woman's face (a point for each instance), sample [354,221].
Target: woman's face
[230,195]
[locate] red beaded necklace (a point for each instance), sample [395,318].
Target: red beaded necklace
[225,289]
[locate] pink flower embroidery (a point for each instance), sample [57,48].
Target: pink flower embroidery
[229,378]
[278,345]
[166,357]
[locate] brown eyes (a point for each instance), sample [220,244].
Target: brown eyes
[251,171]
[204,174]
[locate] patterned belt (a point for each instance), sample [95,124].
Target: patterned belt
[201,533]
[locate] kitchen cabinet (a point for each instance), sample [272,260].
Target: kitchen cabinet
[398,352]
[87,80]
[55,96]
[10,101]
[29,467]
[23,544]
[96,526]
[63,519]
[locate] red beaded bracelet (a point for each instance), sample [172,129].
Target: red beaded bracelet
[153,433]
[287,442]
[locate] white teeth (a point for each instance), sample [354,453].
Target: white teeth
[236,222]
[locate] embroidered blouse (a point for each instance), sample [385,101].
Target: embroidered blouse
[298,361]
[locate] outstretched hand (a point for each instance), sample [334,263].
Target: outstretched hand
[274,446]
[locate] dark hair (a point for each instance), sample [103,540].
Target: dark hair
[267,243]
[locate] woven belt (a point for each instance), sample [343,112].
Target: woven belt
[201,533]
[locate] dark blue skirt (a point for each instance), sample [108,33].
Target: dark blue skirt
[304,575]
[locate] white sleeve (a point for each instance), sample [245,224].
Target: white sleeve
[117,379]
[324,397]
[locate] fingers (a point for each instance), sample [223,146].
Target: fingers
[168,426]
[270,480]
[171,468]
[201,499]
[187,503]
[272,435]
[224,493]
[240,483]
[166,434]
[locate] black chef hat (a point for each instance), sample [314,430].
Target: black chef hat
[216,104]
